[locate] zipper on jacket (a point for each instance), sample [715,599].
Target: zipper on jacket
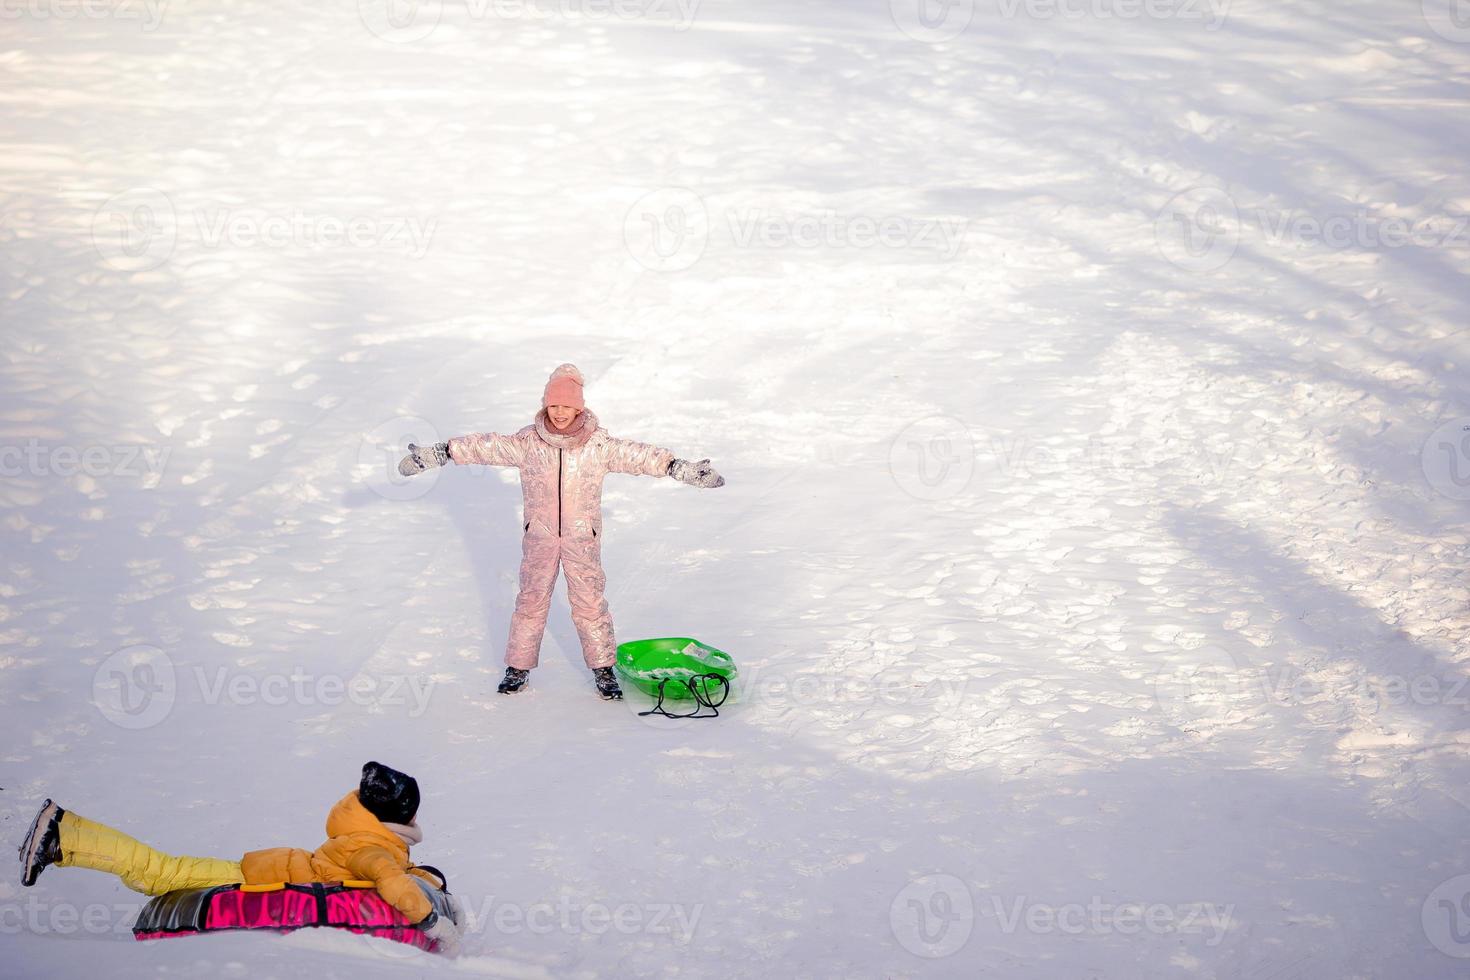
[558,493]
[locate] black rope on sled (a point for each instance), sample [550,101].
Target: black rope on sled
[699,687]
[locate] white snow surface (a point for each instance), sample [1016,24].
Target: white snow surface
[1100,603]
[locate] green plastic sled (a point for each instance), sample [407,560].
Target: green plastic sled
[644,663]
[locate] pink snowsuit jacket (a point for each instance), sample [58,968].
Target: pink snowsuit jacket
[561,488]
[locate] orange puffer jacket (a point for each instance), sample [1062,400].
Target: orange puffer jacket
[359,847]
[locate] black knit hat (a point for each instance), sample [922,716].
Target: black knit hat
[389,795]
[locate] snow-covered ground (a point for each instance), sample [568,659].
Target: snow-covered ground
[1090,379]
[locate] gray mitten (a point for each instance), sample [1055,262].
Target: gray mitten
[456,908]
[444,931]
[422,458]
[699,474]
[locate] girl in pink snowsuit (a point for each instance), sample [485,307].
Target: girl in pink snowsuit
[563,457]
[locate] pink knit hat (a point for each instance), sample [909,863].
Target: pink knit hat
[564,388]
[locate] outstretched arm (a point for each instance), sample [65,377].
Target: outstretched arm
[644,459]
[637,458]
[487,448]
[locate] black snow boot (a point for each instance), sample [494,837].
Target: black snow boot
[514,680]
[42,847]
[607,684]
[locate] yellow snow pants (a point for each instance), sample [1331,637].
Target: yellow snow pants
[86,844]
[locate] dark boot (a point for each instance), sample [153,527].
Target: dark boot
[514,680]
[42,847]
[607,684]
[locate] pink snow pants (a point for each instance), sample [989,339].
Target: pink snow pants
[581,559]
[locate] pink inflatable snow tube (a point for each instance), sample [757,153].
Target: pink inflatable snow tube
[284,909]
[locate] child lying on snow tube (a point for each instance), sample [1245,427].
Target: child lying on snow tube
[370,831]
[562,458]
